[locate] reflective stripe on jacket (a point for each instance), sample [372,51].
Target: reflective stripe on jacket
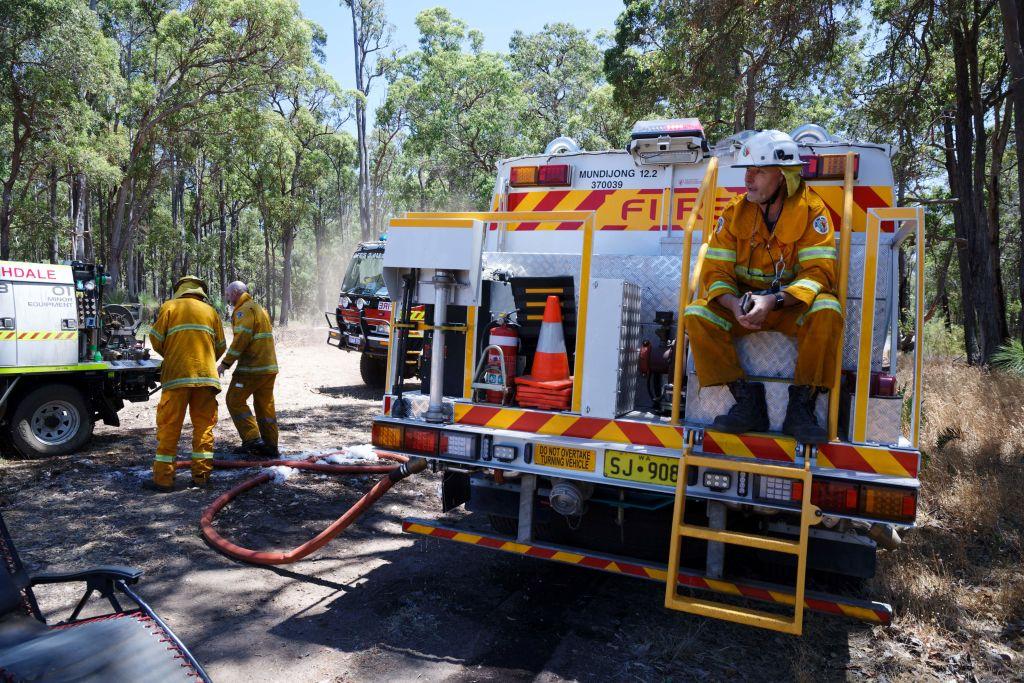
[253,343]
[742,254]
[189,335]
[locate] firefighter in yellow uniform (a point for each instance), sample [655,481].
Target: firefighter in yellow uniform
[189,335]
[777,243]
[253,349]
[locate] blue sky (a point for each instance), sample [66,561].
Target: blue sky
[496,20]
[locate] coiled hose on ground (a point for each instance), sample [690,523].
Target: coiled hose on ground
[394,474]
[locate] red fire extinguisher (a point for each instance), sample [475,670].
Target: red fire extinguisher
[505,336]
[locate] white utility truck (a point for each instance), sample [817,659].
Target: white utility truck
[631,478]
[66,360]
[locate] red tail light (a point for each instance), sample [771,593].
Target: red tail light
[834,496]
[550,175]
[554,174]
[827,166]
[420,440]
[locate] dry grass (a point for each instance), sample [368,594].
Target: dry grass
[962,570]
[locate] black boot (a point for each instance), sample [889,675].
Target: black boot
[150,485]
[750,414]
[253,447]
[269,450]
[800,422]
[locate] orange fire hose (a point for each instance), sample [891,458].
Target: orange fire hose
[395,473]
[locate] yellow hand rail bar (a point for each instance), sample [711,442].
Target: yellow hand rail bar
[915,415]
[710,179]
[845,231]
[709,208]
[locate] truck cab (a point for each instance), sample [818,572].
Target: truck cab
[631,477]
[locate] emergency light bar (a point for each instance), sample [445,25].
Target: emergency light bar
[827,166]
[549,175]
[671,141]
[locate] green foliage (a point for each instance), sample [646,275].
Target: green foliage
[942,339]
[733,65]
[1010,357]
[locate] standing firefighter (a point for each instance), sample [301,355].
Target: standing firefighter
[253,348]
[777,244]
[189,335]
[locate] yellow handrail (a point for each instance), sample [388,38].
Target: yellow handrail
[865,341]
[845,231]
[915,415]
[589,225]
[684,282]
[709,208]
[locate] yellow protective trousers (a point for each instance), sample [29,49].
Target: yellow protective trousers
[712,328]
[264,423]
[201,403]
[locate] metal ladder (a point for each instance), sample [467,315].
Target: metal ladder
[809,516]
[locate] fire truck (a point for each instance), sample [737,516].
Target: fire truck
[66,359]
[361,322]
[631,478]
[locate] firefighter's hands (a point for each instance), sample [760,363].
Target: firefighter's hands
[221,369]
[754,320]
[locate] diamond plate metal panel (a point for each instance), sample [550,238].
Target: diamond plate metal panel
[855,284]
[851,333]
[703,404]
[629,349]
[884,421]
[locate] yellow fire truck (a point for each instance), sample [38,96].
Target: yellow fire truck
[632,478]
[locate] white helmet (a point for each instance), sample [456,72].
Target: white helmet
[768,148]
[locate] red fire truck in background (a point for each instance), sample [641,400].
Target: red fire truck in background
[361,321]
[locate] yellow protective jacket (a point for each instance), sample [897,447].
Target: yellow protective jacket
[189,335]
[742,254]
[253,343]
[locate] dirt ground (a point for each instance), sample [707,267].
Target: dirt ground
[377,604]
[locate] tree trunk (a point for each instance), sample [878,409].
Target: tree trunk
[78,193]
[287,245]
[1012,29]
[54,237]
[971,150]
[320,235]
[223,262]
[361,145]
[963,258]
[750,99]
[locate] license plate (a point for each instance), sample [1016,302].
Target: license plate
[354,340]
[565,458]
[384,306]
[641,467]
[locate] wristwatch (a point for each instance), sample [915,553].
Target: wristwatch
[780,300]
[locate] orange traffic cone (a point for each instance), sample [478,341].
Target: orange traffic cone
[549,384]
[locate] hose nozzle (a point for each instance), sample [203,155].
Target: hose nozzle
[406,469]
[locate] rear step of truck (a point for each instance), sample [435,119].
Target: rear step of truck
[809,516]
[864,610]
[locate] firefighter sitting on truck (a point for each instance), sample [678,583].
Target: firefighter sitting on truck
[777,244]
[189,335]
[253,348]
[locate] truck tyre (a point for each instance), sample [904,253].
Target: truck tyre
[373,370]
[51,420]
